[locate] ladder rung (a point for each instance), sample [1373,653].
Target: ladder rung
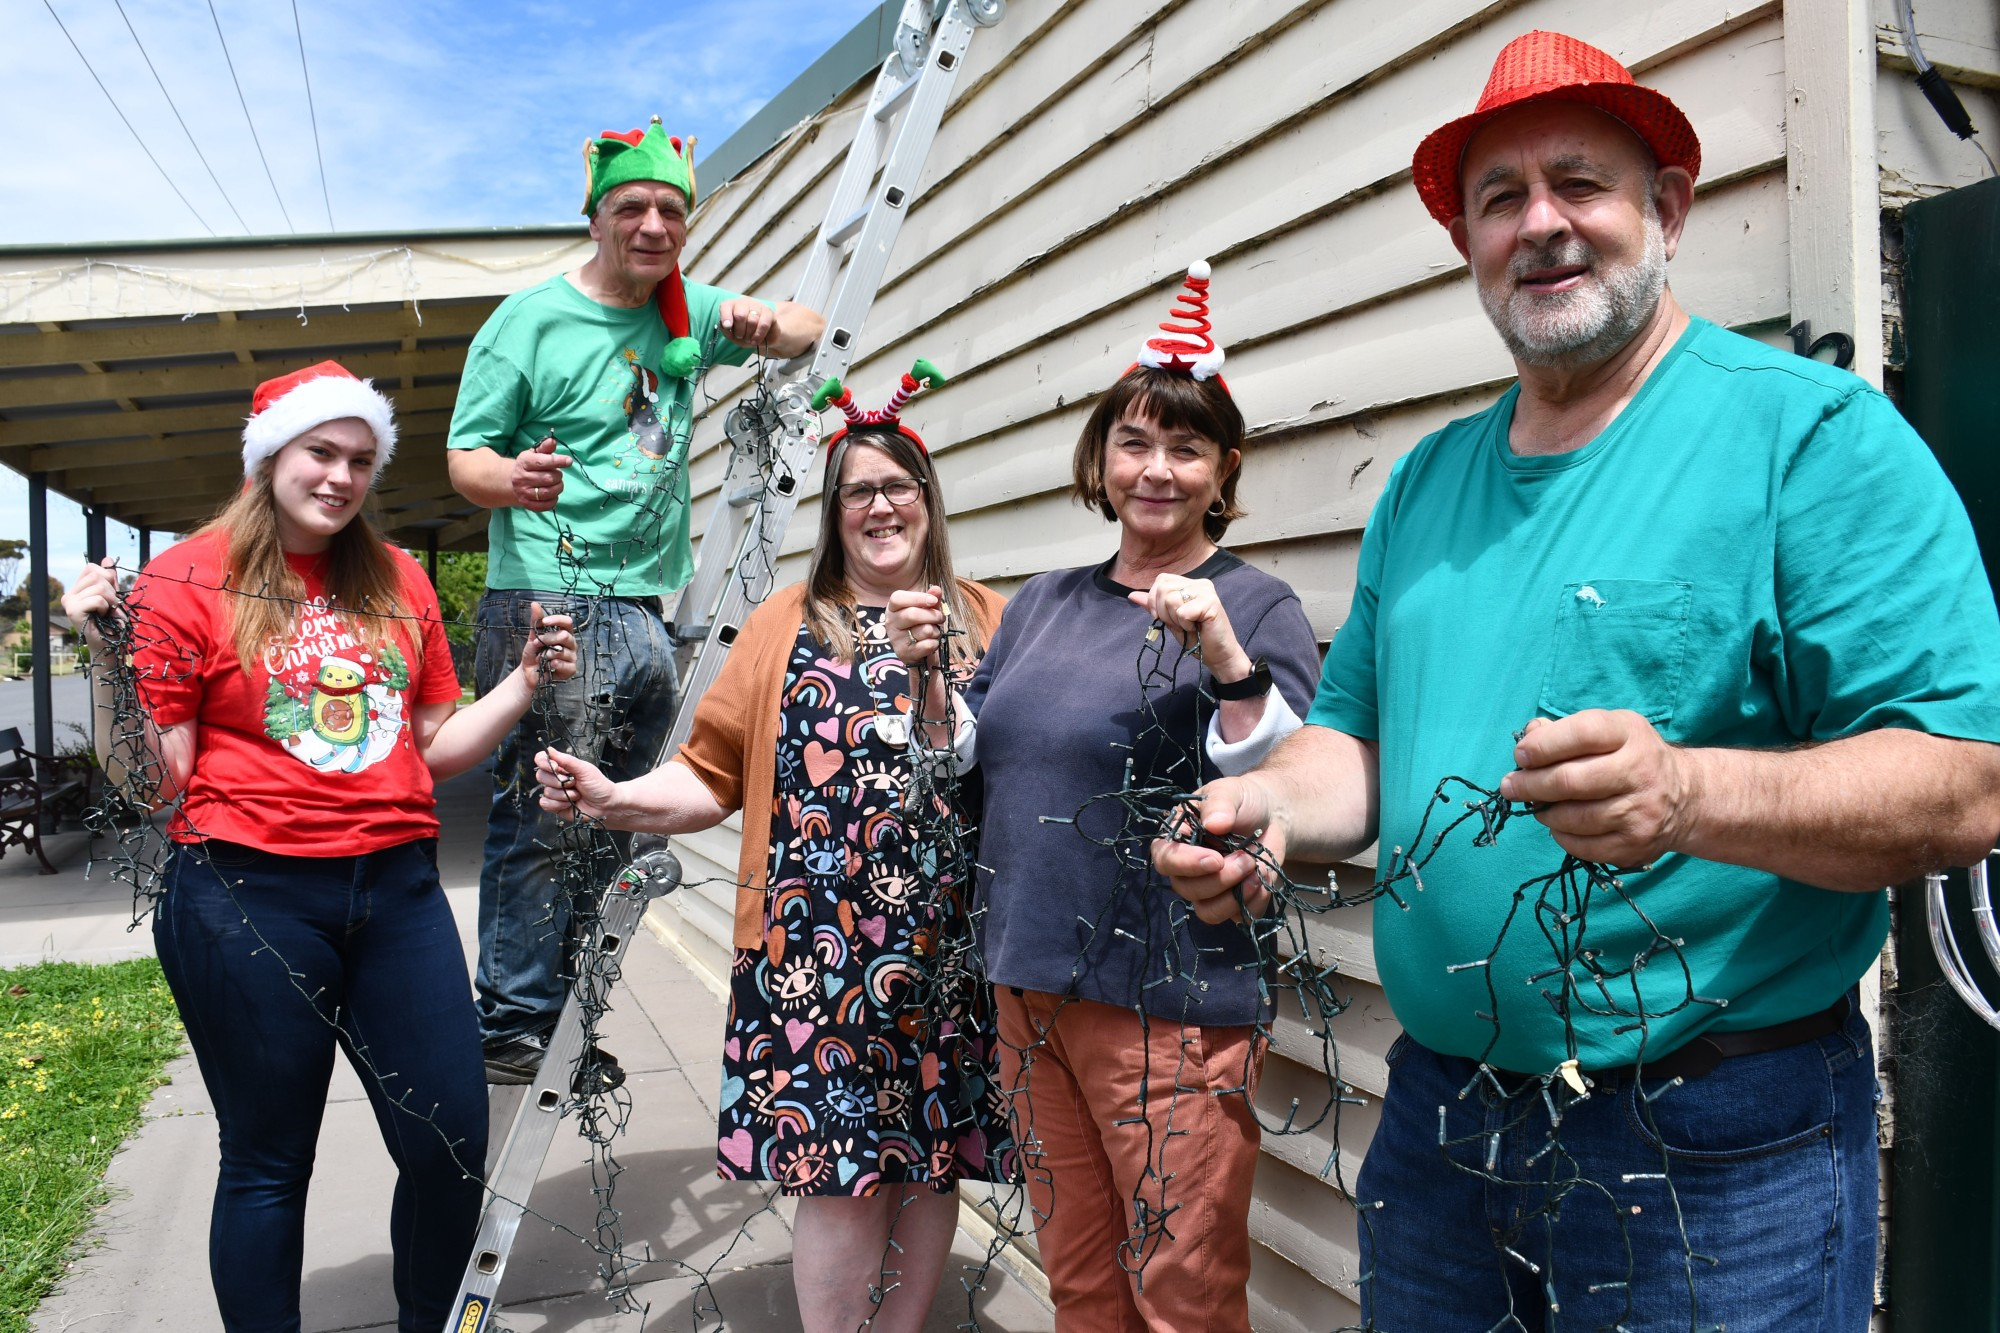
[746,494]
[849,229]
[695,633]
[897,98]
[791,369]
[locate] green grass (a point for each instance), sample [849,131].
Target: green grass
[81,1047]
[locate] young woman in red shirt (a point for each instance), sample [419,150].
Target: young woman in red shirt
[297,704]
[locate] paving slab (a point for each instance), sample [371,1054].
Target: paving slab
[146,1264]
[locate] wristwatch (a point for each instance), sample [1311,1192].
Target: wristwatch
[1253,686]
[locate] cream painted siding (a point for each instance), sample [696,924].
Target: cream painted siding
[1094,148]
[1918,156]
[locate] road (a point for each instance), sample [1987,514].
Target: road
[72,704]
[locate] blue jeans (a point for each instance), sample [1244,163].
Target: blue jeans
[274,960]
[1769,1163]
[616,712]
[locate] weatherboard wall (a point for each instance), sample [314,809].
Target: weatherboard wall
[1091,150]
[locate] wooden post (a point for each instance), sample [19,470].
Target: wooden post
[93,534]
[431,553]
[145,546]
[1835,221]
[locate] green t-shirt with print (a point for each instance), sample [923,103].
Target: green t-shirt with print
[1758,552]
[551,361]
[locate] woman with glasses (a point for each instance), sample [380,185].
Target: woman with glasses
[840,1082]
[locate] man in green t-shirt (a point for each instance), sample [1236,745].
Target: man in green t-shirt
[572,426]
[1714,611]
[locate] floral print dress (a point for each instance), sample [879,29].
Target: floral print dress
[850,1059]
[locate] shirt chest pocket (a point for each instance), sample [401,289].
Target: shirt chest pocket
[1619,643]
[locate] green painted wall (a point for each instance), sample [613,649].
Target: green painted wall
[1944,1229]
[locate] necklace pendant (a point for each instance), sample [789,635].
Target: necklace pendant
[893,728]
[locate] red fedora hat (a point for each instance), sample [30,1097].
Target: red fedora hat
[1551,67]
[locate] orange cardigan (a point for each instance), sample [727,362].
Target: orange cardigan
[733,745]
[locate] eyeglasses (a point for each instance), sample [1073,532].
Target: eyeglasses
[898,491]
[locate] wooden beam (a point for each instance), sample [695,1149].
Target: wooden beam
[412,487]
[176,338]
[77,462]
[206,482]
[51,326]
[146,478]
[65,390]
[448,506]
[1830,150]
[204,476]
[164,421]
[129,454]
[243,356]
[172,515]
[125,455]
[196,499]
[463,529]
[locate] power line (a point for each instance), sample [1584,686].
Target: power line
[128,123]
[314,114]
[248,118]
[177,116]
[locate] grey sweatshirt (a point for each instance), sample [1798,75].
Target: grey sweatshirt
[1076,908]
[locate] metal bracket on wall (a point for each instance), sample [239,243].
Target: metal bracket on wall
[1810,347]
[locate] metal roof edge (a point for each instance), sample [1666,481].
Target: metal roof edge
[85,249]
[858,54]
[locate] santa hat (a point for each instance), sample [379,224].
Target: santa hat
[923,375]
[287,407]
[1185,344]
[618,157]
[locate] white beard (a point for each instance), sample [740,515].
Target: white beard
[1587,323]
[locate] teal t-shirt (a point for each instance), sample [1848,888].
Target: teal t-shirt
[552,361]
[1757,552]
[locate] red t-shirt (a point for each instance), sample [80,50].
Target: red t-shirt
[308,752]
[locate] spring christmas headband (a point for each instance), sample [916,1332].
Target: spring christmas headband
[923,375]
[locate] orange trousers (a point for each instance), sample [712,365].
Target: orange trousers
[1143,1216]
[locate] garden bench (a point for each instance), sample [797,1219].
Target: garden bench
[33,788]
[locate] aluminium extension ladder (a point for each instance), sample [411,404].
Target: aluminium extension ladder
[773,436]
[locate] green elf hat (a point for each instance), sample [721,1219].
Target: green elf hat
[616,157]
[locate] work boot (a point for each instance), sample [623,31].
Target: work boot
[519,1060]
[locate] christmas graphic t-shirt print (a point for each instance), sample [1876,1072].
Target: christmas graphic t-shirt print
[331,702]
[642,410]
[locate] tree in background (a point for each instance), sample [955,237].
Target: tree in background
[14,606]
[12,550]
[461,579]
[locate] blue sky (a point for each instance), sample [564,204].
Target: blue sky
[432,113]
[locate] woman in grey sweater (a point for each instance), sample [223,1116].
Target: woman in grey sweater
[1130,1030]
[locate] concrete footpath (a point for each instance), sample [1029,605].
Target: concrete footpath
[145,1263]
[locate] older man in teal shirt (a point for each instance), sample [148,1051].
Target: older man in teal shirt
[1716,613]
